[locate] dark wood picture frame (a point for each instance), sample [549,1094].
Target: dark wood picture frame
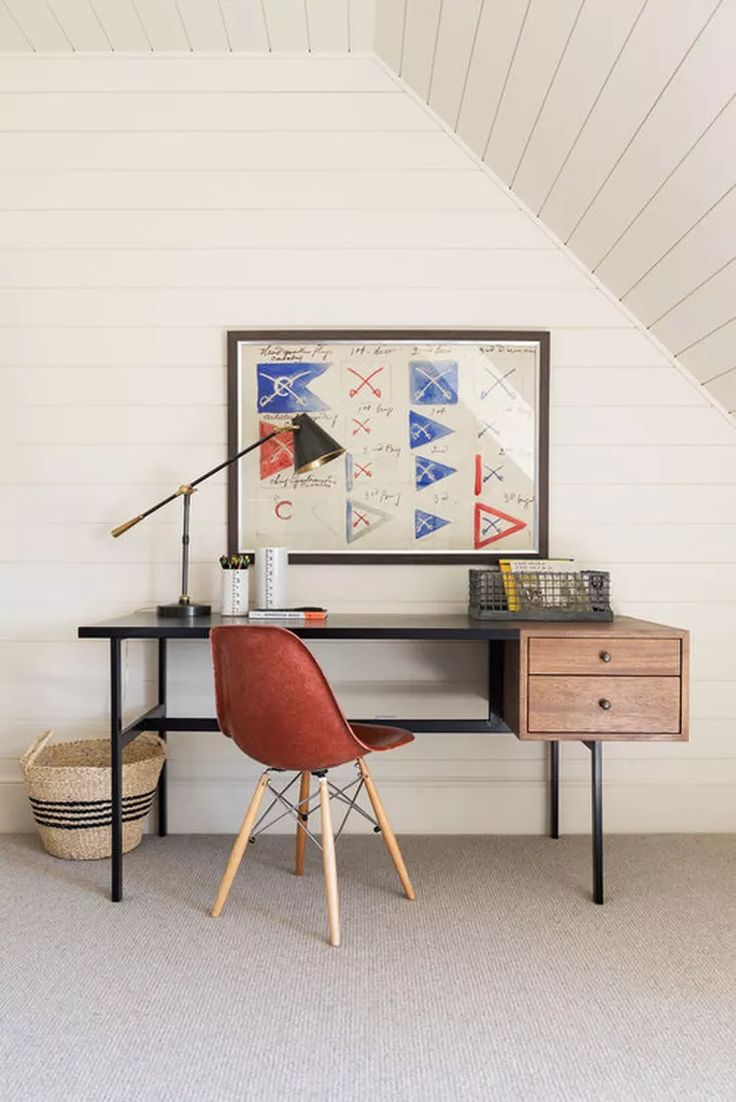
[381,558]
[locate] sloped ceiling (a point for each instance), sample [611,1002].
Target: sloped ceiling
[613,120]
[316,26]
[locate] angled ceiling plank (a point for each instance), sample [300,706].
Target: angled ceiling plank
[12,35]
[687,265]
[697,94]
[245,24]
[710,357]
[653,53]
[499,28]
[287,25]
[81,25]
[420,38]
[456,35]
[361,25]
[594,48]
[389,35]
[204,24]
[122,24]
[328,25]
[697,289]
[37,22]
[163,25]
[724,389]
[545,38]
[702,312]
[698,185]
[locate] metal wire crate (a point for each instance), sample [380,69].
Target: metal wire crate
[540,595]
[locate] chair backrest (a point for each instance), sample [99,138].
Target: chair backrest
[274,701]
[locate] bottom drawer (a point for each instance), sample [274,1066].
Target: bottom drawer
[604,705]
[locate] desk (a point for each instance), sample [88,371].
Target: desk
[550,681]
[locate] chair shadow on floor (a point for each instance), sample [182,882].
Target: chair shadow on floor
[196,896]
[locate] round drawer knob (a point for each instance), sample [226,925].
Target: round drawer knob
[604,704]
[604,656]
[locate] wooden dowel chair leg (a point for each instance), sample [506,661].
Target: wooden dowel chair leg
[330,867]
[301,836]
[236,854]
[388,835]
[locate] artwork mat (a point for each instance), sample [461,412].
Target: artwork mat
[238,427]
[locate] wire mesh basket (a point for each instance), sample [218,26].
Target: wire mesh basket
[540,595]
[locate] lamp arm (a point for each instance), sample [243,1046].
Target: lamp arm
[188,488]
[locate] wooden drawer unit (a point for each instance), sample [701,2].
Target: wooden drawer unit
[604,705]
[641,657]
[625,680]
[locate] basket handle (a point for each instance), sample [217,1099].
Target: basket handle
[34,750]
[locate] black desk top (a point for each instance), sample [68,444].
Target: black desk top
[356,625]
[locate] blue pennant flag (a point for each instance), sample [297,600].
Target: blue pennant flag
[423,430]
[427,523]
[284,387]
[433,382]
[429,471]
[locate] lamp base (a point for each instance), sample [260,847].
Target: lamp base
[183,610]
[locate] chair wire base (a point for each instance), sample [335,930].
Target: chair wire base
[302,817]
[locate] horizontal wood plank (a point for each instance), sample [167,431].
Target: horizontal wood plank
[231,268]
[264,150]
[286,228]
[329,306]
[262,190]
[236,112]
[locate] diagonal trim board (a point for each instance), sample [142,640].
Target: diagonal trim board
[721,407]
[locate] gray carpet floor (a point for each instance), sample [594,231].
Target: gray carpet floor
[502,980]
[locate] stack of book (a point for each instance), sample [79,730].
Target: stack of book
[297,614]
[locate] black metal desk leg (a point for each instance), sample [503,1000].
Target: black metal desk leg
[162,807]
[596,784]
[554,789]
[116,770]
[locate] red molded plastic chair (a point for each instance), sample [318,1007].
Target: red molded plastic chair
[274,701]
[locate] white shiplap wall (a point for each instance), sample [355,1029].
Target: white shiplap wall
[147,205]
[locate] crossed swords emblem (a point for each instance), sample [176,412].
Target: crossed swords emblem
[419,431]
[421,524]
[434,379]
[365,380]
[425,469]
[283,385]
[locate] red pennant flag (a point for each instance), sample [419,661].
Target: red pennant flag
[493,530]
[277,454]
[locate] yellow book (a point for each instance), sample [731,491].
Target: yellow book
[524,580]
[509,584]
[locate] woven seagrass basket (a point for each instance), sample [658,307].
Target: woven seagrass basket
[69,789]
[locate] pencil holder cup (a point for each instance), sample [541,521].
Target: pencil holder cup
[234,593]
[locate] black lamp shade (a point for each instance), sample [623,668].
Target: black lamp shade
[312,445]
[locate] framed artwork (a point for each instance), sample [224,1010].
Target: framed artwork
[445,436]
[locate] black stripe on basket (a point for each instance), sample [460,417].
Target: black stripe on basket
[89,803]
[76,815]
[87,816]
[86,824]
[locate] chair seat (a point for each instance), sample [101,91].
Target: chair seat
[377,737]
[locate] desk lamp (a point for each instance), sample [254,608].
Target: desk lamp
[312,448]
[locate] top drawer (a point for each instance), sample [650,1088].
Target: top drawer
[656,657]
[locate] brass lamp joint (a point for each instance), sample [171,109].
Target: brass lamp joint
[187,489]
